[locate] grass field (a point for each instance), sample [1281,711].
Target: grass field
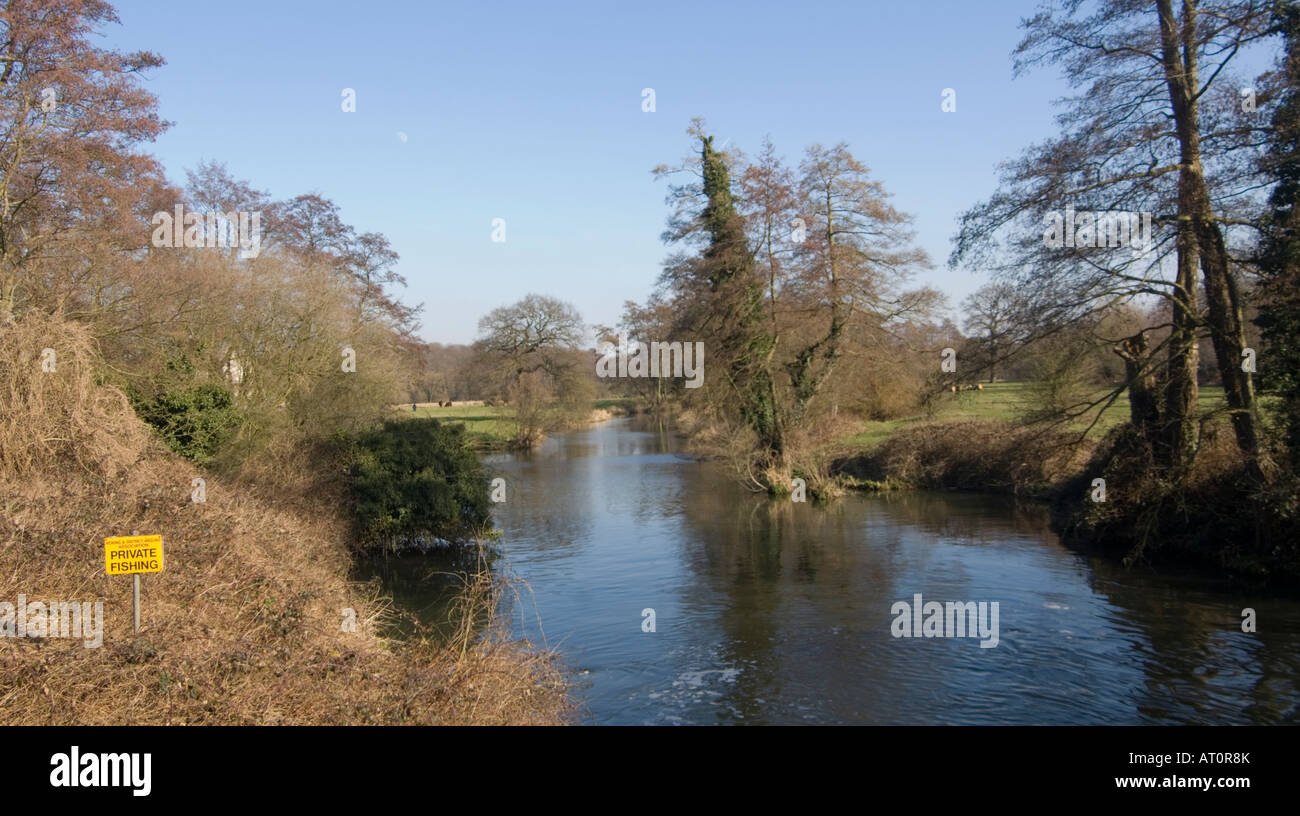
[487,427]
[1012,401]
[493,427]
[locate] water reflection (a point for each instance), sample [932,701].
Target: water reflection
[779,612]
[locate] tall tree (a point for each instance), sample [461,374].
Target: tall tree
[1153,131]
[1279,313]
[728,265]
[71,117]
[858,252]
[1186,38]
[991,318]
[780,309]
[719,294]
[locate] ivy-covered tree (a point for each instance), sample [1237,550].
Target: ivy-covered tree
[744,340]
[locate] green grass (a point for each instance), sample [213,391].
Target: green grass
[493,428]
[626,404]
[487,427]
[1011,402]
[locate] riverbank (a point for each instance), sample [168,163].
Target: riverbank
[980,440]
[252,621]
[988,456]
[1103,499]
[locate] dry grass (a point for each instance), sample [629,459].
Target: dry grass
[245,626]
[60,416]
[972,455]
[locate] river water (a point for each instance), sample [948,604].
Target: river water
[770,611]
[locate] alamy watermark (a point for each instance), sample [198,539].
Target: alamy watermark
[75,769]
[195,230]
[951,619]
[636,359]
[59,619]
[1087,228]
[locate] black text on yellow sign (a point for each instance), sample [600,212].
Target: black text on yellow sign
[128,554]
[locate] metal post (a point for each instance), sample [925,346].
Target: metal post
[135,601]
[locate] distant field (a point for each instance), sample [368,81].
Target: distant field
[488,426]
[624,404]
[1009,402]
[493,427]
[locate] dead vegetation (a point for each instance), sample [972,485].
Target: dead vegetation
[246,625]
[1216,513]
[54,413]
[972,455]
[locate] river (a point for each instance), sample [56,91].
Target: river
[774,611]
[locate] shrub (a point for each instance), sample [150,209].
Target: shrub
[1215,513]
[417,479]
[193,421]
[1062,377]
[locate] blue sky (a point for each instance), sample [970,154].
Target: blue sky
[533,114]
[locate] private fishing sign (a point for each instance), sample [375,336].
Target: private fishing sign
[133,554]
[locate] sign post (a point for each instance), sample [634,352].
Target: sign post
[133,555]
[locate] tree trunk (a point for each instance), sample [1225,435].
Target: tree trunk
[1144,408]
[1178,58]
[1228,337]
[1177,447]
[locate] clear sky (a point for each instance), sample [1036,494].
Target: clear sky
[532,112]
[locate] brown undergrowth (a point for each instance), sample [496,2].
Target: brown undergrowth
[246,624]
[995,457]
[1216,513]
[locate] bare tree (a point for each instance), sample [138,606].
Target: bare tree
[1155,130]
[533,347]
[71,117]
[857,255]
[992,313]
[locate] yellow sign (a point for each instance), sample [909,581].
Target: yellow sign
[128,554]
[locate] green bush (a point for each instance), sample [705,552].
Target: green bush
[417,479]
[193,421]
